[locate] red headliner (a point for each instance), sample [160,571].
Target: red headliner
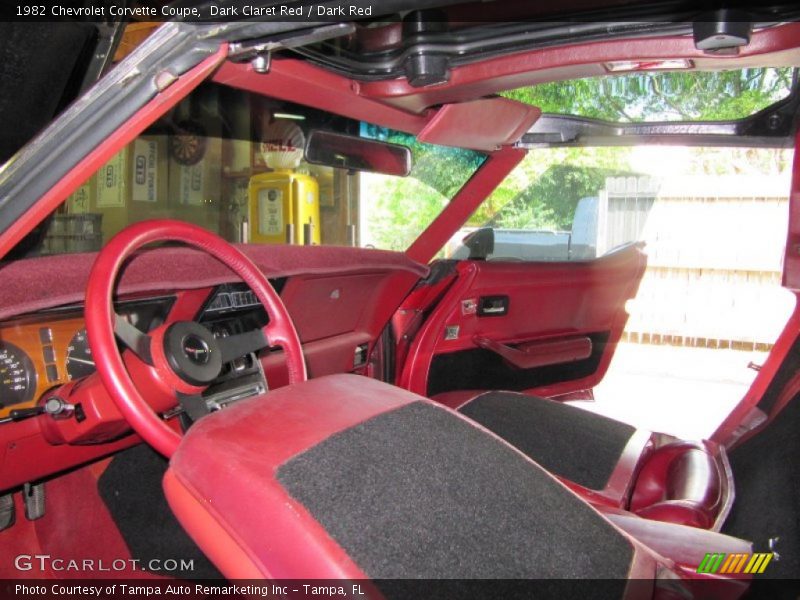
[773,47]
[396,104]
[179,268]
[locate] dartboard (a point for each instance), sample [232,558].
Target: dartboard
[188,143]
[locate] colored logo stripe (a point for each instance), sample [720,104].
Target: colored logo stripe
[758,563]
[719,562]
[711,563]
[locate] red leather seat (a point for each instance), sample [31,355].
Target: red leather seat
[346,477]
[681,482]
[652,475]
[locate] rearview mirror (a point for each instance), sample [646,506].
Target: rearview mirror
[357,154]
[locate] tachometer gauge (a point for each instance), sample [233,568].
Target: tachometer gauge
[79,356]
[17,375]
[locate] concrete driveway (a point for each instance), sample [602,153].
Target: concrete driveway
[683,391]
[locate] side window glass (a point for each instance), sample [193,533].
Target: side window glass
[562,205]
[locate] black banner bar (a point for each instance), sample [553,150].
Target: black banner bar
[399,589]
[492,11]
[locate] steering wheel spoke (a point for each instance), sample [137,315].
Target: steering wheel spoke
[138,342]
[193,405]
[242,344]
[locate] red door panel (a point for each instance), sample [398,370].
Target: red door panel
[550,328]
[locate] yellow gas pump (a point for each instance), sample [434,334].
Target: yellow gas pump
[283,200]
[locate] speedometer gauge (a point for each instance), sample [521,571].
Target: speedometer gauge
[79,356]
[17,375]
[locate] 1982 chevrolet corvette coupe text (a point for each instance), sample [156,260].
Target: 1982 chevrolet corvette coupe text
[312,299]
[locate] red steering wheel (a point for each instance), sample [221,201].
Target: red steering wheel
[182,357]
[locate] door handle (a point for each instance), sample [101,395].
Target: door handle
[492,306]
[493,310]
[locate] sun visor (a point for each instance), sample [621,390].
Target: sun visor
[482,125]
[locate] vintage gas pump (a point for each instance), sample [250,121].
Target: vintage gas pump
[283,205]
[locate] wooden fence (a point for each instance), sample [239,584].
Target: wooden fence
[715,250]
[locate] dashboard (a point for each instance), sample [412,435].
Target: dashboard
[42,352]
[47,350]
[338,298]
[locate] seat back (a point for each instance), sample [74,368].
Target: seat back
[344,476]
[681,482]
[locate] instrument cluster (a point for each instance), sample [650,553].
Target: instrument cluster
[50,349]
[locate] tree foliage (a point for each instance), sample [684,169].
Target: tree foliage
[543,191]
[550,201]
[443,168]
[401,208]
[662,96]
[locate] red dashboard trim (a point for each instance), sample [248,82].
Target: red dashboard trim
[171,268]
[23,441]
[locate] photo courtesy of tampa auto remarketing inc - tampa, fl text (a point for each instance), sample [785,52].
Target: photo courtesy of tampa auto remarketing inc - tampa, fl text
[399,299]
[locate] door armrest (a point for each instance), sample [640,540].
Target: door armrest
[539,354]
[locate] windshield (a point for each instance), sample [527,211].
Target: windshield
[663,96]
[233,163]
